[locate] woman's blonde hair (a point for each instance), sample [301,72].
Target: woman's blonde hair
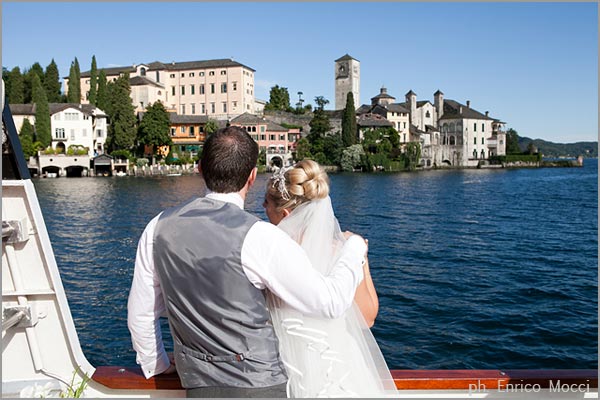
[304,182]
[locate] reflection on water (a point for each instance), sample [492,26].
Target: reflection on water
[474,268]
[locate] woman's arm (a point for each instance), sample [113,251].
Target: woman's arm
[366,297]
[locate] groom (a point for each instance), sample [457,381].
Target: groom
[205,264]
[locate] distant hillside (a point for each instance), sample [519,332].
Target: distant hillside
[550,149]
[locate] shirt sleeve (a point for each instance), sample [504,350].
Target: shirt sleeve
[273,260]
[144,308]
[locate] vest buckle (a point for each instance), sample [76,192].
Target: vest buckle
[239,357]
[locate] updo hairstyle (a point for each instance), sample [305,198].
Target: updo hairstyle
[304,182]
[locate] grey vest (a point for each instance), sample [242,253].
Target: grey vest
[220,324]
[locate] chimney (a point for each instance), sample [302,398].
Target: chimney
[487,113]
[468,103]
[460,109]
[383,90]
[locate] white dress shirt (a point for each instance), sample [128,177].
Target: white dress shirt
[270,259]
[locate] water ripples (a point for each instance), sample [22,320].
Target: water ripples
[474,269]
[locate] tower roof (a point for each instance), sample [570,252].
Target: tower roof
[411,93]
[346,57]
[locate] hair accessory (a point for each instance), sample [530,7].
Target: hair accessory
[278,179]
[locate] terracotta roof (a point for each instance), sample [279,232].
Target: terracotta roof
[368,120]
[22,109]
[273,127]
[247,118]
[187,119]
[399,108]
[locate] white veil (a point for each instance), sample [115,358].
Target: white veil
[326,357]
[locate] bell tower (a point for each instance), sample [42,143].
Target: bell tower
[347,79]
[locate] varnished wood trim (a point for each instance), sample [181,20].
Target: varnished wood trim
[132,378]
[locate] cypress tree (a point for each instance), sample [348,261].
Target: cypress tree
[102,95]
[72,88]
[349,122]
[78,81]
[15,91]
[52,83]
[121,113]
[93,81]
[42,113]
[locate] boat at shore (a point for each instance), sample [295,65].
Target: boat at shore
[41,348]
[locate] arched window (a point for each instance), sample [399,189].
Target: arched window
[143,71]
[427,114]
[452,141]
[451,130]
[483,154]
[475,154]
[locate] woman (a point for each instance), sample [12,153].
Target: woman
[324,357]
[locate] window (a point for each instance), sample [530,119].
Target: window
[223,72]
[263,137]
[212,108]
[255,137]
[157,77]
[172,131]
[192,131]
[183,75]
[72,134]
[172,90]
[474,140]
[427,114]
[59,133]
[482,127]
[281,137]
[98,132]
[172,76]
[143,71]
[211,73]
[475,128]
[193,108]
[224,107]
[482,154]
[192,89]
[201,89]
[84,132]
[57,117]
[482,141]
[191,74]
[182,90]
[142,104]
[202,109]
[262,129]
[234,86]
[234,104]
[182,129]
[87,95]
[201,73]
[475,154]
[271,137]
[183,109]
[223,88]
[71,116]
[212,88]
[405,125]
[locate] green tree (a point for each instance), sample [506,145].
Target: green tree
[93,82]
[332,148]
[319,126]
[102,95]
[78,80]
[512,142]
[349,130]
[35,70]
[52,83]
[279,99]
[412,155]
[351,157]
[72,96]
[30,148]
[154,127]
[15,87]
[42,113]
[121,114]
[210,127]
[302,149]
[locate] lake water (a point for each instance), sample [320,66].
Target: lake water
[484,269]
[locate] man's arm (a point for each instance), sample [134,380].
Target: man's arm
[271,259]
[144,308]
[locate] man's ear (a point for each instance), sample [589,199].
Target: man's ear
[285,212]
[252,177]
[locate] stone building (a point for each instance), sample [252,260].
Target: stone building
[347,79]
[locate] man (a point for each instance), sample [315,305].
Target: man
[205,264]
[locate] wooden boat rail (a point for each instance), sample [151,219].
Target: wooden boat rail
[132,378]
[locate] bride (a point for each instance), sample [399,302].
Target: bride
[323,357]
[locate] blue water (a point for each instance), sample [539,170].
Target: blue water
[483,269]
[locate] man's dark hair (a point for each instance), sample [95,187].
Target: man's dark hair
[228,157]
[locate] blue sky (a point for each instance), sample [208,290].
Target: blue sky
[532,65]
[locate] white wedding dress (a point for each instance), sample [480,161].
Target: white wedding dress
[326,357]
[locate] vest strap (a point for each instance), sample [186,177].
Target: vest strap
[212,358]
